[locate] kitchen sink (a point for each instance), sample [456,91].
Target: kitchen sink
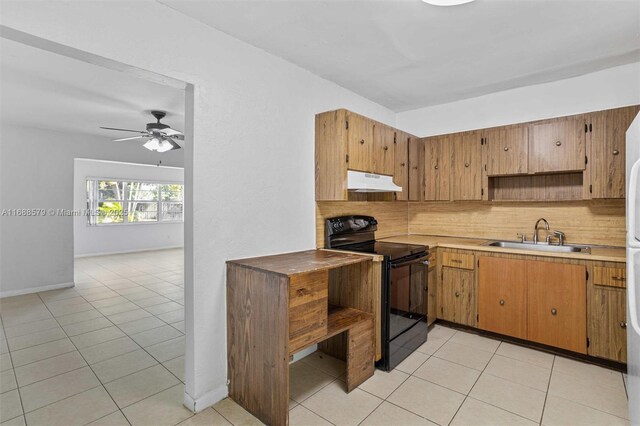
[540,247]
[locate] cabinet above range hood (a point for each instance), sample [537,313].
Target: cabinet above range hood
[370,182]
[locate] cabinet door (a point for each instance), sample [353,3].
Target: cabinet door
[467,166]
[557,146]
[401,165]
[360,142]
[507,150]
[557,309]
[383,149]
[608,323]
[607,134]
[416,169]
[437,168]
[458,296]
[502,296]
[432,294]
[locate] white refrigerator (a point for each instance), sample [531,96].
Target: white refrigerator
[633,269]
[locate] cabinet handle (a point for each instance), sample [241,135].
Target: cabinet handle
[401,164]
[558,143]
[616,152]
[554,311]
[436,167]
[456,261]
[466,164]
[501,302]
[618,278]
[361,141]
[415,167]
[457,294]
[623,324]
[506,148]
[386,148]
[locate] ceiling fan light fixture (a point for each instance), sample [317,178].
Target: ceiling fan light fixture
[164,146]
[152,144]
[446,2]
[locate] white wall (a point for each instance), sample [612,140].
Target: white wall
[36,171]
[253,161]
[610,88]
[92,240]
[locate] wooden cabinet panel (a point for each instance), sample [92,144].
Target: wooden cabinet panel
[308,308]
[458,296]
[607,142]
[557,305]
[610,277]
[466,173]
[502,296]
[507,150]
[437,168]
[607,323]
[416,169]
[401,165]
[557,146]
[432,294]
[331,156]
[458,260]
[360,142]
[383,149]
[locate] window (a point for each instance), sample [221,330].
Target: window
[118,202]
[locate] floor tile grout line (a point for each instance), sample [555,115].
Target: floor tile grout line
[13,369]
[474,384]
[92,372]
[546,394]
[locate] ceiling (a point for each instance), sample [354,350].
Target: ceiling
[53,92]
[406,54]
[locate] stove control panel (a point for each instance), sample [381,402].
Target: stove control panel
[350,224]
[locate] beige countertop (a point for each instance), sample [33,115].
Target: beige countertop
[600,253]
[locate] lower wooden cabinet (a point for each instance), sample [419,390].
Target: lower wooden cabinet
[557,305]
[608,323]
[458,296]
[432,285]
[502,296]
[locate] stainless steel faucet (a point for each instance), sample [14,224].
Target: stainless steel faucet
[535,230]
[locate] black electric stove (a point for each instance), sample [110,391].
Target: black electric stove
[404,284]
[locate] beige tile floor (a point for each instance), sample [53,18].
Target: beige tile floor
[111,352]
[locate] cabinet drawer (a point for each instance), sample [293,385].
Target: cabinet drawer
[308,305]
[610,277]
[458,260]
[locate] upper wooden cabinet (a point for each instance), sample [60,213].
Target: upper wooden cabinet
[401,164]
[437,168]
[360,142]
[384,138]
[558,146]
[349,141]
[606,140]
[416,169]
[507,150]
[466,176]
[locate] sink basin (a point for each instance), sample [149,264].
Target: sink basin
[540,247]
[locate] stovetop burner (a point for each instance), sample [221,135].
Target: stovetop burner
[392,250]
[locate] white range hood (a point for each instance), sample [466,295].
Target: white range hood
[370,182]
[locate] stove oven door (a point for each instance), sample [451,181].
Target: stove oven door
[407,296]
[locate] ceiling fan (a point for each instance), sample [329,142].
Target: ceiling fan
[161,137]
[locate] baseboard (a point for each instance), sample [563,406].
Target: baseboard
[206,400]
[78,256]
[10,293]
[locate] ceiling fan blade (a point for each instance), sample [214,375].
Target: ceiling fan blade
[124,130]
[171,132]
[173,144]
[129,139]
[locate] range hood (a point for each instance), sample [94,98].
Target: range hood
[370,182]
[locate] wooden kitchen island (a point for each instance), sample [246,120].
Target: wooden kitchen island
[278,305]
